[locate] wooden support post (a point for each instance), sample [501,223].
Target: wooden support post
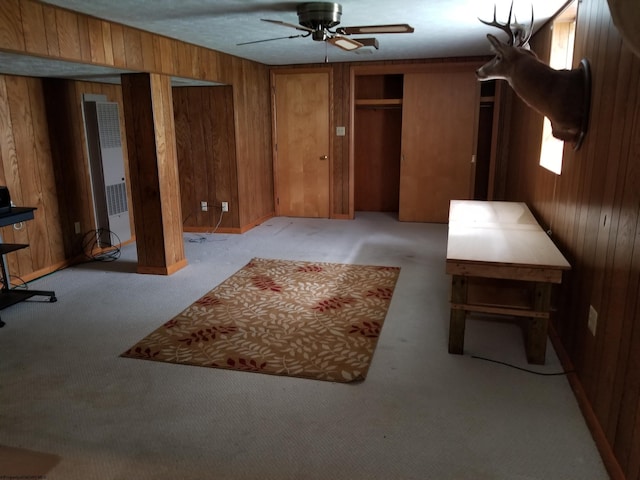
[536,329]
[458,316]
[155,186]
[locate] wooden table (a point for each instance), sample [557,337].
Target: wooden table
[502,262]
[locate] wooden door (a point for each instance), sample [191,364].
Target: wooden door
[438,143]
[302,144]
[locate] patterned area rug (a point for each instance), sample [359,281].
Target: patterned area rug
[302,319]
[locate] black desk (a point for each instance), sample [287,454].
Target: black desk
[10,296]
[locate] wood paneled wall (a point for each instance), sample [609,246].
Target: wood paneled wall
[593,209]
[33,28]
[44,164]
[62,106]
[206,156]
[28,172]
[30,27]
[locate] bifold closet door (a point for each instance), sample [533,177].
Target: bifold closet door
[439,122]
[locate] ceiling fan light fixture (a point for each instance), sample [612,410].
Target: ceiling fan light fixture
[397,28]
[345,43]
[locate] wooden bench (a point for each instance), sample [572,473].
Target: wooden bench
[502,263]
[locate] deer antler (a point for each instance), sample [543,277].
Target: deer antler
[519,34]
[505,27]
[522,33]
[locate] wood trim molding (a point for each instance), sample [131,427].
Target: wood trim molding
[167,270]
[597,432]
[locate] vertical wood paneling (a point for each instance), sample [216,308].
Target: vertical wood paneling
[8,132]
[35,39]
[340,158]
[85,39]
[627,440]
[596,221]
[107,42]
[162,53]
[615,241]
[133,50]
[68,160]
[117,46]
[11,32]
[28,172]
[51,251]
[167,167]
[148,53]
[148,106]
[20,167]
[96,41]
[68,34]
[51,30]
[206,156]
[254,162]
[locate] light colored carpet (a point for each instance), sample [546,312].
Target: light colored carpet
[421,413]
[314,320]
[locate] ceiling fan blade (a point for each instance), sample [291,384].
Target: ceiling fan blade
[290,25]
[395,28]
[270,39]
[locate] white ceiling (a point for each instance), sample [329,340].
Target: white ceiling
[443,28]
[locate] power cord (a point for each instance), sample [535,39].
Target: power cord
[93,249]
[524,369]
[22,285]
[201,238]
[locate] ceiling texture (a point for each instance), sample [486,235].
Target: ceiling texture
[442,28]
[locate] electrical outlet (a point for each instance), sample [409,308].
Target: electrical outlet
[204,206]
[225,206]
[593,320]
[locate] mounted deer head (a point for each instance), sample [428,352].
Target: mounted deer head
[560,95]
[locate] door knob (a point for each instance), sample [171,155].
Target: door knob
[324,157]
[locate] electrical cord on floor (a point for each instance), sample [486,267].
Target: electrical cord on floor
[551,374]
[93,249]
[22,285]
[201,238]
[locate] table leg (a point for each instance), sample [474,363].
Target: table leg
[457,317]
[537,328]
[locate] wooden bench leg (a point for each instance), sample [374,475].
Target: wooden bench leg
[457,317]
[538,327]
[536,340]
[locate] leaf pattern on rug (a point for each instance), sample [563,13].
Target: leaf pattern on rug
[307,319]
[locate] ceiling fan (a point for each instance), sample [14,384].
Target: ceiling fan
[317,19]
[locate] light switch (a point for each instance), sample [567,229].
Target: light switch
[340,131]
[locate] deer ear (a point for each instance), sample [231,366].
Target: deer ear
[495,43]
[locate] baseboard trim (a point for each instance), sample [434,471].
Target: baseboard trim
[231,230]
[597,432]
[257,222]
[168,270]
